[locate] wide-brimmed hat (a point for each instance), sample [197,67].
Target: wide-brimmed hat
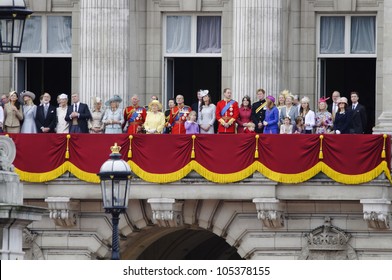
[26,93]
[270,97]
[342,100]
[115,98]
[155,102]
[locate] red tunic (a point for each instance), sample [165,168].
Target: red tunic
[134,117]
[229,116]
[177,119]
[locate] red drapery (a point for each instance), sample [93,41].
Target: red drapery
[350,159]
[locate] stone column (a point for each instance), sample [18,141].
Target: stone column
[14,216]
[104,49]
[257,47]
[385,119]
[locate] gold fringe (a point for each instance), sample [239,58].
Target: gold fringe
[357,179]
[224,178]
[67,151]
[257,146]
[42,177]
[289,178]
[321,155]
[83,175]
[130,146]
[193,146]
[160,178]
[383,154]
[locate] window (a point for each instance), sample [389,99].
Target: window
[48,35]
[193,35]
[347,36]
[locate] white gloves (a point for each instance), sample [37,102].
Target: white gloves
[337,131]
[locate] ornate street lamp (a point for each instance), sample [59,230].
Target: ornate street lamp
[13,14]
[115,175]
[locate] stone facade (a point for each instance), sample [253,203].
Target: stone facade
[257,218]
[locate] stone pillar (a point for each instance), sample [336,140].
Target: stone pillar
[257,47]
[385,119]
[104,49]
[14,216]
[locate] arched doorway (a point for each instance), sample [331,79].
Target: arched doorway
[182,244]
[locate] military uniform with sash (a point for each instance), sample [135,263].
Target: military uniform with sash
[258,114]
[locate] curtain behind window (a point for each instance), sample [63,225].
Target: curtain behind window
[178,34]
[32,35]
[209,34]
[363,35]
[332,35]
[59,34]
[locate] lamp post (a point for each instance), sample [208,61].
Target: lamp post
[13,14]
[115,175]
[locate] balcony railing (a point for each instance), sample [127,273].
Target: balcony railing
[348,159]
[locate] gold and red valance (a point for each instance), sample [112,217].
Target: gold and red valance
[348,159]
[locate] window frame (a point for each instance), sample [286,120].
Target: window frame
[193,52]
[347,36]
[44,39]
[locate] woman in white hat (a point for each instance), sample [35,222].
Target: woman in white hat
[29,112]
[206,117]
[307,115]
[342,123]
[62,125]
[95,124]
[113,118]
[13,114]
[155,120]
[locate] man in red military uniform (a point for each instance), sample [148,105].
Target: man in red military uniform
[226,113]
[178,115]
[134,116]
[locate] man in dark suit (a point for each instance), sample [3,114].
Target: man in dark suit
[197,105]
[46,116]
[358,120]
[258,111]
[78,115]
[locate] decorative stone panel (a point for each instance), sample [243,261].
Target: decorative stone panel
[62,211]
[166,212]
[376,212]
[270,211]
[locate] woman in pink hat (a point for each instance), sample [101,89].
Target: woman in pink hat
[271,117]
[324,123]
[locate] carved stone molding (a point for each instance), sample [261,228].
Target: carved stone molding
[166,212]
[62,210]
[30,246]
[7,153]
[376,212]
[327,242]
[270,211]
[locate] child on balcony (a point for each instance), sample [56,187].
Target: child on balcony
[191,126]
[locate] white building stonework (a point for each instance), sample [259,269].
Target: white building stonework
[121,48]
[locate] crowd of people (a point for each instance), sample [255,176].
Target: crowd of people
[289,115]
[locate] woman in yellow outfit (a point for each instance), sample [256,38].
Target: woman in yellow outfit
[155,120]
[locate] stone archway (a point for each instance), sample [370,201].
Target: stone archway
[178,244]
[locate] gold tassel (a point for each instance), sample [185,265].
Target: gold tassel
[257,146]
[130,146]
[67,151]
[193,146]
[383,153]
[321,155]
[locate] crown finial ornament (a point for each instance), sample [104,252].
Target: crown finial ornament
[115,149]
